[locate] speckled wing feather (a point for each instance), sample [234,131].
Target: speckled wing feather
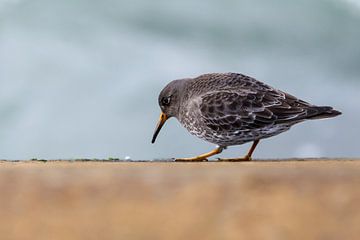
[253,107]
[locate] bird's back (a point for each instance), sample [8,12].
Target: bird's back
[231,108]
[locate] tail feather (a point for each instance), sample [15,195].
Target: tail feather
[322,112]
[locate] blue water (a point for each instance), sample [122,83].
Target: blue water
[81,78]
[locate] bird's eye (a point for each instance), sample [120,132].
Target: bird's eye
[165,101]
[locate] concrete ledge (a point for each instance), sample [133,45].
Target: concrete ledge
[312,199]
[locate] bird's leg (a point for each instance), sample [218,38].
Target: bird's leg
[247,156]
[202,157]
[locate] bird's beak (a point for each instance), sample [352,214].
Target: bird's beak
[159,125]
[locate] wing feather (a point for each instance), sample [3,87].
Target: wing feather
[230,110]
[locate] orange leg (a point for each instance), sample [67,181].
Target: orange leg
[247,156]
[202,157]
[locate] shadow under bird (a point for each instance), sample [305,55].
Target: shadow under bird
[231,109]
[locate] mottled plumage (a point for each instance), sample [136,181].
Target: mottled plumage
[232,109]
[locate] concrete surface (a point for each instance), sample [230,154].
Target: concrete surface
[312,199]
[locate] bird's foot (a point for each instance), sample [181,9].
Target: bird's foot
[193,159]
[202,157]
[244,159]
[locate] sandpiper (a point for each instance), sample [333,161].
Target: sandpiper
[231,109]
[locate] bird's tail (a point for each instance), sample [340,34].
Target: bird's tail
[322,112]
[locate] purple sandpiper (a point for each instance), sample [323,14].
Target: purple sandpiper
[231,109]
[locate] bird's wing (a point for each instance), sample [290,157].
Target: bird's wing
[231,110]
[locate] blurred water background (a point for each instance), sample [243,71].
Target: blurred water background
[80,79]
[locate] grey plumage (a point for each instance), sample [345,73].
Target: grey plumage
[232,109]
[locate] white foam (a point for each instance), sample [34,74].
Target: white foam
[356,3]
[353,5]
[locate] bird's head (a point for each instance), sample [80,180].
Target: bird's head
[169,102]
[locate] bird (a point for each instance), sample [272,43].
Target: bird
[229,109]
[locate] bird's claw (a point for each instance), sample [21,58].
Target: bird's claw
[244,159]
[191,159]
